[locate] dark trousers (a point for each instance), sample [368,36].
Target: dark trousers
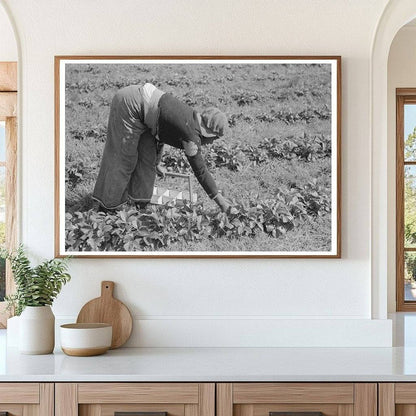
[128,164]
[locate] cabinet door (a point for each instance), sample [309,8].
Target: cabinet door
[145,399]
[26,399]
[296,399]
[397,399]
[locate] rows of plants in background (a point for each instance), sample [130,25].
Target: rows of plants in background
[235,157]
[157,227]
[288,117]
[222,155]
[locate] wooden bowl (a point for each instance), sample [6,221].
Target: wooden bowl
[84,340]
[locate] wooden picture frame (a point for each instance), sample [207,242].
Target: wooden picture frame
[8,115]
[404,96]
[279,164]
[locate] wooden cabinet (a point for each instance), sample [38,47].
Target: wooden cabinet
[27,399]
[397,399]
[297,399]
[106,399]
[208,399]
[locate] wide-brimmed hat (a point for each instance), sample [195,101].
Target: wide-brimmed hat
[213,122]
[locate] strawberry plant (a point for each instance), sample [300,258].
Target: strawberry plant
[220,155]
[245,97]
[156,227]
[289,117]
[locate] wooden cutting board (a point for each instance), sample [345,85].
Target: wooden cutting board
[107,309]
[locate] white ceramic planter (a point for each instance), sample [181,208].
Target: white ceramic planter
[37,330]
[13,331]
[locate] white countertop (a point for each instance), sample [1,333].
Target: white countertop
[213,364]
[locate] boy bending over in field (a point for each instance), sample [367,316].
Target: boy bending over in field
[141,121]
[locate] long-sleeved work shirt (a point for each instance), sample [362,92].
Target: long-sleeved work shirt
[178,126]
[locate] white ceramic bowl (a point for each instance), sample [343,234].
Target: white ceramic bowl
[83,340]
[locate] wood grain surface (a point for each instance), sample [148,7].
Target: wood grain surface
[11,196]
[8,105]
[207,399]
[110,393]
[8,76]
[111,409]
[405,393]
[224,399]
[107,309]
[404,96]
[27,393]
[386,399]
[47,399]
[365,399]
[252,393]
[66,399]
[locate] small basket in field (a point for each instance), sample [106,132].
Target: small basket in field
[162,196]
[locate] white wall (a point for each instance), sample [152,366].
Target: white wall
[181,301]
[8,47]
[401,74]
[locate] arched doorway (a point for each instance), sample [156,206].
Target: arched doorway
[8,148]
[396,14]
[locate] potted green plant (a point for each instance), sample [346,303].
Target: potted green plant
[36,289]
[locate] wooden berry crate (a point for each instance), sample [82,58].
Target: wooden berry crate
[162,196]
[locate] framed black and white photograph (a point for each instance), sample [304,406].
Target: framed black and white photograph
[198,156]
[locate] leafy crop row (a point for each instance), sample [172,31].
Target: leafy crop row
[223,155]
[288,117]
[98,133]
[157,227]
[235,157]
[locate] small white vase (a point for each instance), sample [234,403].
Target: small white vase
[37,330]
[13,331]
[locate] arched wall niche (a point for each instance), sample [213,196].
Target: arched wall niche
[396,14]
